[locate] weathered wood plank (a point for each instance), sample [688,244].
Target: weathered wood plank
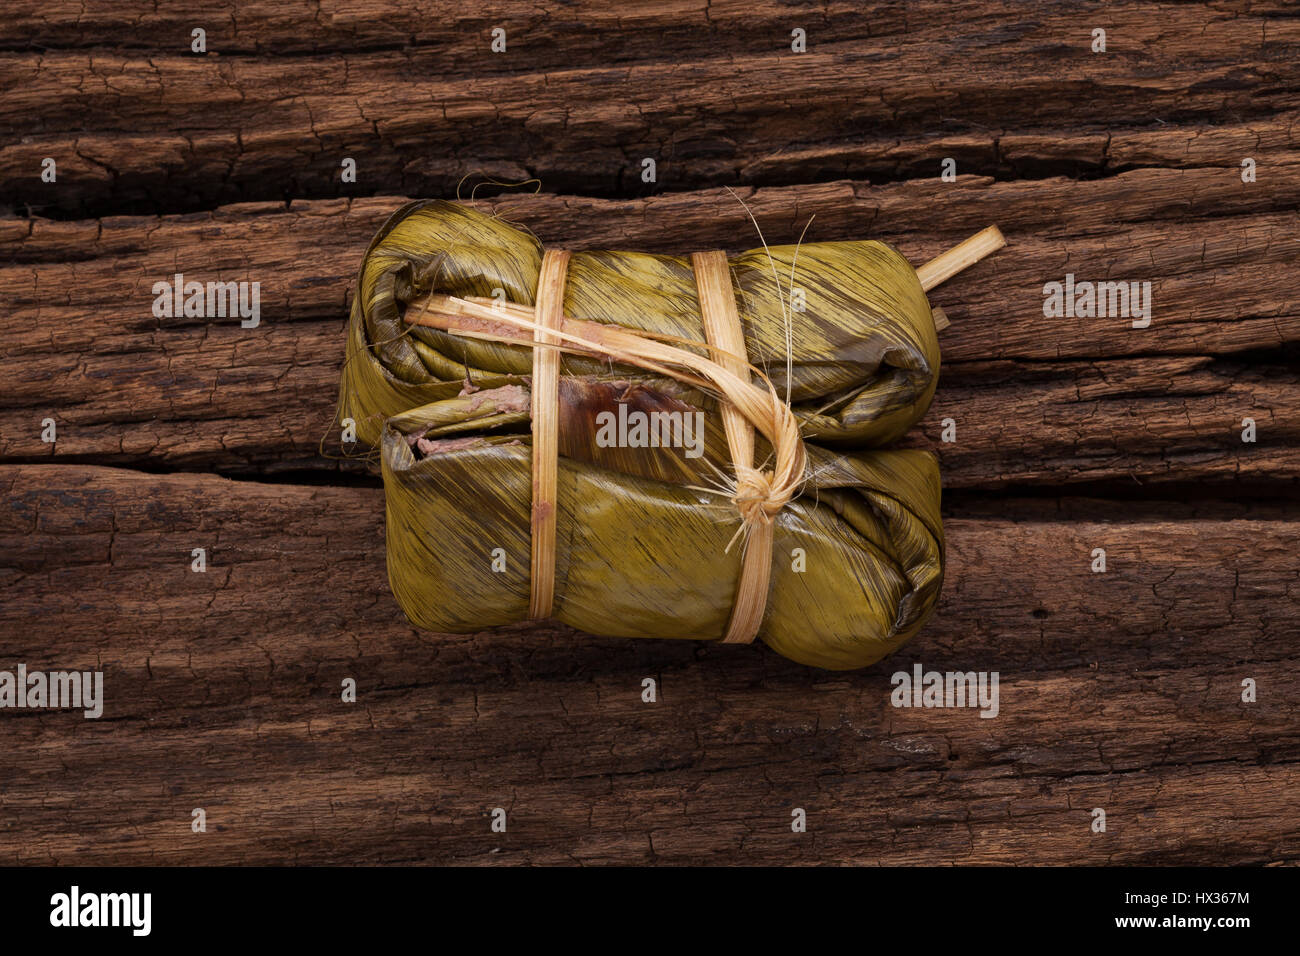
[1037,401]
[223,692]
[158,129]
[86,542]
[589,31]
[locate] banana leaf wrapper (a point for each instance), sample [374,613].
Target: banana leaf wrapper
[863,353]
[642,540]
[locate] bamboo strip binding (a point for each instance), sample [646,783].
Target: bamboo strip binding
[546,432]
[726,338]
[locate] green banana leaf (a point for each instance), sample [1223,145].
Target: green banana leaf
[857,559]
[647,535]
[864,356]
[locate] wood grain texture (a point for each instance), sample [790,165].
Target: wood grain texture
[1037,401]
[135,117]
[1119,690]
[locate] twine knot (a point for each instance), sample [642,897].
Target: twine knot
[755,497]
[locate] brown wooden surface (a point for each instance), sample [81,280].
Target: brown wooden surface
[1118,690]
[1036,401]
[223,691]
[584,91]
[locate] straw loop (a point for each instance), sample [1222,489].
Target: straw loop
[759,495]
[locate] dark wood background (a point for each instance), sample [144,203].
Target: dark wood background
[1119,690]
